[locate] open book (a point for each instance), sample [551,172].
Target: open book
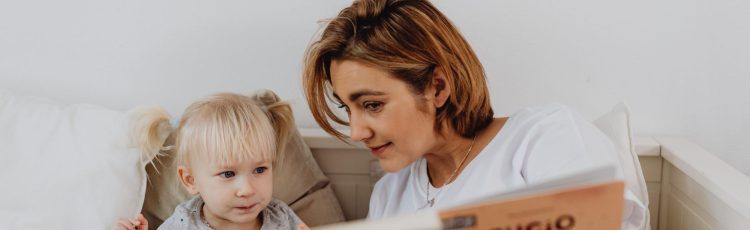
[591,199]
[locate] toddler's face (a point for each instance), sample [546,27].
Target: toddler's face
[234,193]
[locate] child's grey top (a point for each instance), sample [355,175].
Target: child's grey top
[187,215]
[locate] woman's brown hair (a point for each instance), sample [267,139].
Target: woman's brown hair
[408,39]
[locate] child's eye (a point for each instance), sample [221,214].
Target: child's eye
[227,174]
[260,170]
[373,106]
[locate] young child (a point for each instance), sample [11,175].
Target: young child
[226,145]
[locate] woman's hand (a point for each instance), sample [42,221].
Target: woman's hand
[137,223]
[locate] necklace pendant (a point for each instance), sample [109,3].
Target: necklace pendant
[431,202]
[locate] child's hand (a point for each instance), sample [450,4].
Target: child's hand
[138,223]
[302,227]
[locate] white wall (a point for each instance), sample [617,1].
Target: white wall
[683,66]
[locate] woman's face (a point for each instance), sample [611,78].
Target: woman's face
[384,114]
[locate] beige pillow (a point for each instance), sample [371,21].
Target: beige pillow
[298,181]
[163,191]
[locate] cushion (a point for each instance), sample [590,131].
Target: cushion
[164,191]
[319,207]
[298,181]
[67,166]
[616,125]
[301,183]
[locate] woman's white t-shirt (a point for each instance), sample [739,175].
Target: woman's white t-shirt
[535,144]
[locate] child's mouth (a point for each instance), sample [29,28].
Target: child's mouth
[244,209]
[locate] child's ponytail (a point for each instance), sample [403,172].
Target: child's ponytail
[149,128]
[280,115]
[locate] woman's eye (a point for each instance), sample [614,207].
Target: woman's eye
[343,106]
[226,174]
[260,170]
[373,106]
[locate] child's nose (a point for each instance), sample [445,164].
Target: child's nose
[245,188]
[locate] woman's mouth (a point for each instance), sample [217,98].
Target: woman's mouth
[378,150]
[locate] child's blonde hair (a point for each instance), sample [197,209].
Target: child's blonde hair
[228,127]
[223,128]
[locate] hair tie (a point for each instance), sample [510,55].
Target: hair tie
[174,122]
[264,107]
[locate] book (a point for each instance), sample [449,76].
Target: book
[592,199]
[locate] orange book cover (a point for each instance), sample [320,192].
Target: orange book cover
[596,206]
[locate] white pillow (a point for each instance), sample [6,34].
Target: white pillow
[67,166]
[616,125]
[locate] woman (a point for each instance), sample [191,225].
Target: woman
[415,94]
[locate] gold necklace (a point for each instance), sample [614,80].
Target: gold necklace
[431,202]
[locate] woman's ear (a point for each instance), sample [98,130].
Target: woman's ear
[439,88]
[187,180]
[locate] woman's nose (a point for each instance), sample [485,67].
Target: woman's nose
[360,131]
